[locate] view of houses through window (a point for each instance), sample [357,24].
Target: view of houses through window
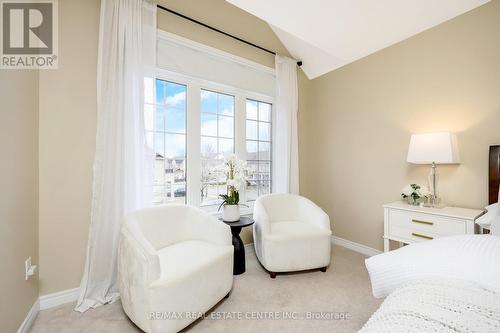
[258,144]
[168,134]
[217,139]
[166,126]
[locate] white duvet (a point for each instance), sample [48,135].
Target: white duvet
[437,305]
[473,258]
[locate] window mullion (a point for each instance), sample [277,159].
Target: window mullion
[240,128]
[240,135]
[193,145]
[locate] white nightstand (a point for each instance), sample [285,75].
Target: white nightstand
[410,224]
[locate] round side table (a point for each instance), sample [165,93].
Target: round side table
[239,248]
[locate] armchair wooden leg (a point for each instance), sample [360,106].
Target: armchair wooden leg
[323,269]
[272,274]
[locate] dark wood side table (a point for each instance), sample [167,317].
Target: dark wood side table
[239,248]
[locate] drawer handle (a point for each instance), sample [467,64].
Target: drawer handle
[422,222]
[421,236]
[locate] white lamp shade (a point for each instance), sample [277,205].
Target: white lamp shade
[440,148]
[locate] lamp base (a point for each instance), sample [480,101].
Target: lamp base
[434,200]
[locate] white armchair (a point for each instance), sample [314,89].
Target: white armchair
[173,260]
[291,233]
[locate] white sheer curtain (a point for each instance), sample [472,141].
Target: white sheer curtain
[285,141]
[122,165]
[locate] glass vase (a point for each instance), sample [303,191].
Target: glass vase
[413,201]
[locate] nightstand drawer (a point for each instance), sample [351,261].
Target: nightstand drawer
[425,223]
[412,236]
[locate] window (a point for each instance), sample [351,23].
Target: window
[191,125]
[258,147]
[166,133]
[217,139]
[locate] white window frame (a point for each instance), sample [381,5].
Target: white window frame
[258,121]
[193,129]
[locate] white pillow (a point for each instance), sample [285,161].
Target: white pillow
[491,218]
[473,258]
[495,226]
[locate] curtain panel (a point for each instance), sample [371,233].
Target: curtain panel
[123,163]
[286,158]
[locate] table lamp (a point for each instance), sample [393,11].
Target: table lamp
[433,148]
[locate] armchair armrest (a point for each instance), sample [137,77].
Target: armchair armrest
[313,214]
[137,252]
[261,218]
[138,266]
[209,229]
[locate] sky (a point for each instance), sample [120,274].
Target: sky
[171,117]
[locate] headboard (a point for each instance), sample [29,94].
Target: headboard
[494,174]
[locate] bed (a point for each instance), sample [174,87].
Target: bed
[437,305]
[450,284]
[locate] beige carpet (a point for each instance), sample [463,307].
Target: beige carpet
[344,288]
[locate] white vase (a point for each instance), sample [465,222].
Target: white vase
[231,213]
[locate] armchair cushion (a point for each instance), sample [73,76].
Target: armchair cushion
[195,276]
[189,257]
[289,230]
[296,246]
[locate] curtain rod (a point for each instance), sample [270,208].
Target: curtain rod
[299,63]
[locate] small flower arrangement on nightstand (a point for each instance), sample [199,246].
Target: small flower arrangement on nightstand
[414,192]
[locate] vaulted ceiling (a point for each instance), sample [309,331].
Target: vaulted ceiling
[328,34]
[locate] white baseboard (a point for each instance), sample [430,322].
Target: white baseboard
[360,248]
[71,295]
[46,302]
[61,297]
[30,318]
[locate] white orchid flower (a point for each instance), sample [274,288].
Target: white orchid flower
[230,157]
[407,190]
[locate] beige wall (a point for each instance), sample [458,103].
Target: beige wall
[67,146]
[68,121]
[354,140]
[18,194]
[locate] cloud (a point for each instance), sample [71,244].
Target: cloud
[251,109]
[176,100]
[209,126]
[205,94]
[167,145]
[175,145]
